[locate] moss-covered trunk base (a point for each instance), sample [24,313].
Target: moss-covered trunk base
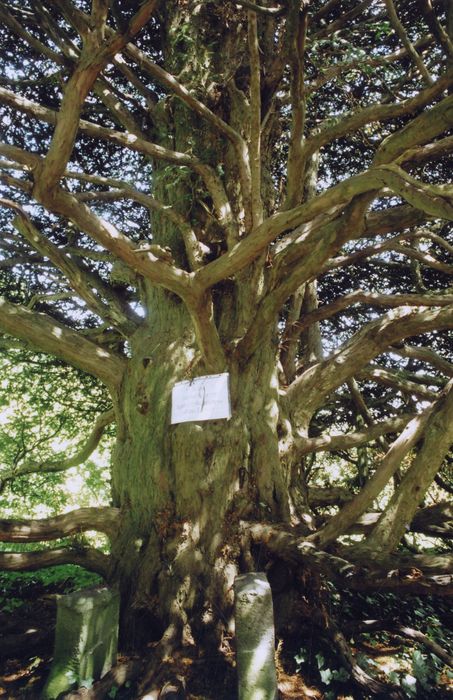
[183,489]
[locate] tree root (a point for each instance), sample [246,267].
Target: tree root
[419,574]
[161,666]
[370,685]
[403,631]
[117,677]
[317,613]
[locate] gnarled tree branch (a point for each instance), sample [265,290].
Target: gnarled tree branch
[88,558]
[43,333]
[101,519]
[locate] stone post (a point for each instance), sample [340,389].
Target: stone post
[86,639]
[255,638]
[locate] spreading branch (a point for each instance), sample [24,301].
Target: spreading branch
[393,574]
[351,511]
[334,442]
[437,440]
[374,338]
[84,282]
[47,335]
[88,558]
[393,627]
[104,520]
[373,299]
[433,521]
[95,55]
[399,29]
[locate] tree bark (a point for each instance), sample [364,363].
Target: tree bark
[101,519]
[437,441]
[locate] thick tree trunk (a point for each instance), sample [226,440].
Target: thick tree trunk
[183,488]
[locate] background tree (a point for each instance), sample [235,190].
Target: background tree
[191,188]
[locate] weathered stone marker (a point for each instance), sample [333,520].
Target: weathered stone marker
[86,639]
[255,638]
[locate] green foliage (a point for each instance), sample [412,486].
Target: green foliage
[18,587]
[422,678]
[416,671]
[326,666]
[46,409]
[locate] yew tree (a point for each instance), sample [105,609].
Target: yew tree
[191,188]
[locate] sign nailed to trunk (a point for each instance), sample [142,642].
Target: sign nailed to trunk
[202,398]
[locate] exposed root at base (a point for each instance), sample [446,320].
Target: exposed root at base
[120,674]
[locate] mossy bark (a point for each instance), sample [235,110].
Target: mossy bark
[182,489]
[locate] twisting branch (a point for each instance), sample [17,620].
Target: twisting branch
[81,22]
[362,573]
[325,10]
[429,152]
[375,337]
[434,521]
[369,684]
[144,262]
[437,440]
[170,82]
[435,238]
[255,120]
[44,17]
[398,27]
[117,108]
[11,22]
[124,190]
[149,265]
[373,299]
[62,463]
[102,519]
[436,28]
[343,19]
[81,279]
[342,68]
[89,558]
[107,235]
[95,54]
[401,631]
[341,441]
[369,251]
[47,335]
[424,355]
[139,145]
[382,112]
[37,111]
[301,260]
[74,16]
[425,258]
[297,33]
[347,516]
[379,223]
[396,381]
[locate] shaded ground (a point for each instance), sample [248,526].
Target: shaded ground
[26,644]
[30,631]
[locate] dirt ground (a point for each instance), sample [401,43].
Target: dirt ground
[26,645]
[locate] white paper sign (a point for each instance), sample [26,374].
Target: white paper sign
[202,398]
